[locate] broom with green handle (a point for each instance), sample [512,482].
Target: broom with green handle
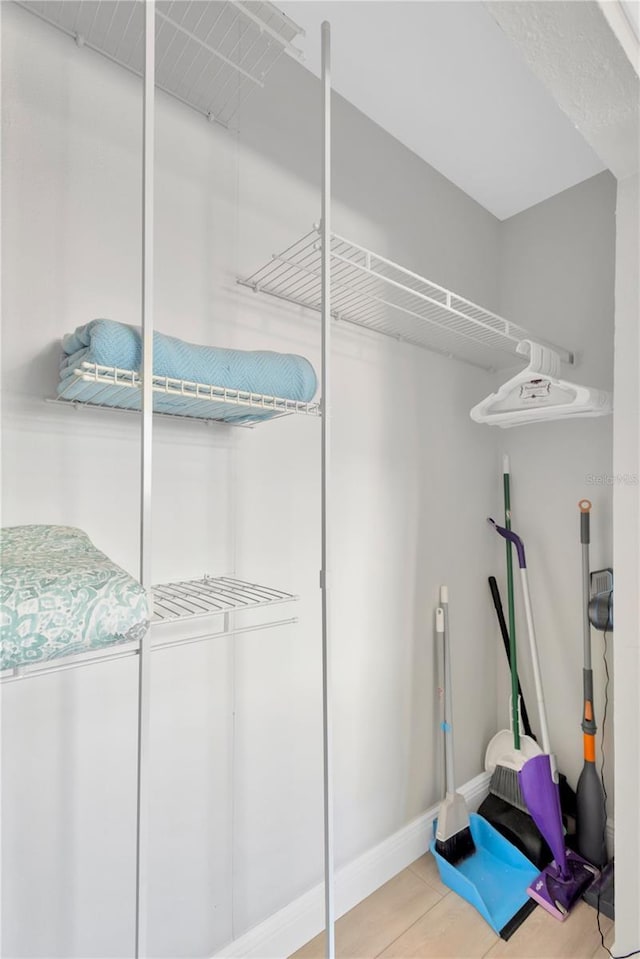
[509,750]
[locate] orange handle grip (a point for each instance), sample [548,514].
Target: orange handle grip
[589,748]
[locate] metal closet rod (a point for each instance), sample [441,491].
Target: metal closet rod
[325,575]
[144,658]
[144,664]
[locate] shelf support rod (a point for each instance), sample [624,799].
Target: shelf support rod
[144,659]
[325,240]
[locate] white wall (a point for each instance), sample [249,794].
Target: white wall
[557,276]
[236,819]
[627,635]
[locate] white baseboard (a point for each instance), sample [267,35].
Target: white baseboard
[291,927]
[301,920]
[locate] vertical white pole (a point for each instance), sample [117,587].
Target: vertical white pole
[325,238]
[144,659]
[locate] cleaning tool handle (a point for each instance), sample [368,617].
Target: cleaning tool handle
[535,662]
[513,538]
[442,691]
[447,725]
[590,801]
[497,602]
[585,510]
[512,656]
[589,727]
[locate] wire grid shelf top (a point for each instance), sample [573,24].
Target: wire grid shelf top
[111,388]
[210,54]
[210,596]
[370,291]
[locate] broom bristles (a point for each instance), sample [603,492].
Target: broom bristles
[506,785]
[454,841]
[457,848]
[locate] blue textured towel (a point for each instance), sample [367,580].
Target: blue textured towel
[108,343]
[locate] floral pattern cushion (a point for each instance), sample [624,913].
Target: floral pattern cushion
[60,596]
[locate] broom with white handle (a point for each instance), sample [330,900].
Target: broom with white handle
[454,841]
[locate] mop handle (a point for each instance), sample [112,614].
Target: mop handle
[537,676]
[442,627]
[585,538]
[589,727]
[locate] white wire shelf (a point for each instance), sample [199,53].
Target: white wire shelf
[210,596]
[172,603]
[107,387]
[370,291]
[210,54]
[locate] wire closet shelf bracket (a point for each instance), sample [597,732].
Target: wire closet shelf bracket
[374,293]
[186,600]
[209,56]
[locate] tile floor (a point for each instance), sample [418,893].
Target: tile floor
[415,915]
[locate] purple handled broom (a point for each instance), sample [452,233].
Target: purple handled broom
[558,886]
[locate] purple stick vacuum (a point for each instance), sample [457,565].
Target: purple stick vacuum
[564,880]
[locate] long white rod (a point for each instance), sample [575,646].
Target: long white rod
[535,661]
[325,239]
[449,764]
[144,661]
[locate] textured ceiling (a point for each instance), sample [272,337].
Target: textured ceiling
[581,61]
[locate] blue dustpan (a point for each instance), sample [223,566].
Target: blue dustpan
[494,879]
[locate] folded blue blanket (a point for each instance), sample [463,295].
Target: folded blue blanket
[108,343]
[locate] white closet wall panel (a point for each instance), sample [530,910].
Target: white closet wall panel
[68,813]
[277,784]
[191,814]
[557,271]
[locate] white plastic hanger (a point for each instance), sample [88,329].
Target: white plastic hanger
[537,394]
